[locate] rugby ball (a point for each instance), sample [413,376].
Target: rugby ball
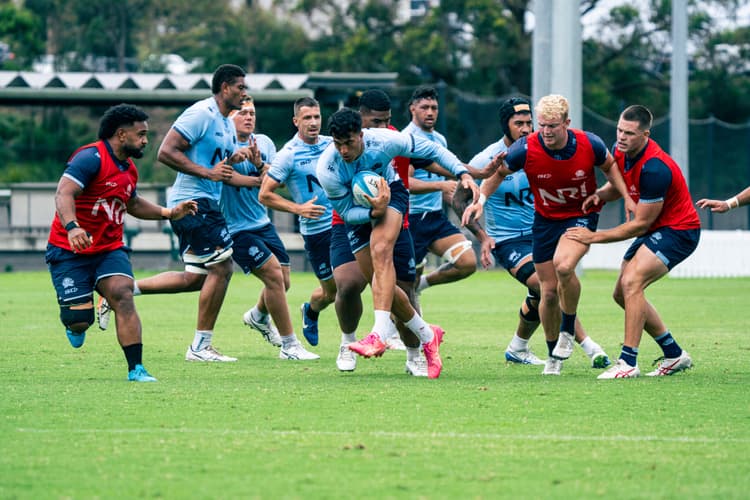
[364,183]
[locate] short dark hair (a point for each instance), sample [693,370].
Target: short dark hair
[374,100]
[510,107]
[344,122]
[226,73]
[423,92]
[305,102]
[640,114]
[117,116]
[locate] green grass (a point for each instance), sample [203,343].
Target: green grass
[71,427]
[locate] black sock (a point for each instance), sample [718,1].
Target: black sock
[134,355]
[312,314]
[551,347]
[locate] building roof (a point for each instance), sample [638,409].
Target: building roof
[26,87]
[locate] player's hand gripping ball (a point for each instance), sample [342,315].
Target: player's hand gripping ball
[364,183]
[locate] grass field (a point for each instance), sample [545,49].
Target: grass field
[72,427]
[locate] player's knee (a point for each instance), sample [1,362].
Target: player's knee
[564,269]
[77,320]
[618,297]
[456,251]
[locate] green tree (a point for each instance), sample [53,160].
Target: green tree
[21,29]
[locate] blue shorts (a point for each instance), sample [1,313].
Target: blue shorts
[403,250]
[203,232]
[508,253]
[341,250]
[399,197]
[427,228]
[671,246]
[253,248]
[547,233]
[75,276]
[318,250]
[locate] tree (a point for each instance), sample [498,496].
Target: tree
[21,29]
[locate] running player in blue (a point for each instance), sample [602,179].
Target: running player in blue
[202,147]
[374,231]
[509,216]
[295,167]
[257,246]
[430,228]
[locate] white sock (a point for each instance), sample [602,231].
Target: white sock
[288,340]
[136,290]
[348,338]
[420,328]
[258,316]
[412,353]
[202,339]
[589,346]
[422,283]
[392,330]
[382,323]
[518,344]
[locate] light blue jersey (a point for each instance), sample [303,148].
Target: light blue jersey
[266,147]
[380,147]
[509,211]
[212,137]
[426,202]
[240,205]
[295,166]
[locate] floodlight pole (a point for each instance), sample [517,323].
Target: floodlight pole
[557,55]
[679,139]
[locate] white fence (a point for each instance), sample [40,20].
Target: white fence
[719,254]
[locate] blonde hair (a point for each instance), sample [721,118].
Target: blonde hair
[552,106]
[246,101]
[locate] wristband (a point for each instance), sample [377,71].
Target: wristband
[482,199]
[168,215]
[71,225]
[733,202]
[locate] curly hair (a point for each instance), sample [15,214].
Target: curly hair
[117,116]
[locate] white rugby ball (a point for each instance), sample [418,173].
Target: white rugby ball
[365,182]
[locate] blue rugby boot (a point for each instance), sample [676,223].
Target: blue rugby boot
[309,326]
[75,339]
[139,374]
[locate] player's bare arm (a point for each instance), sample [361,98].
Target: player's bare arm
[488,187]
[614,176]
[645,215]
[172,154]
[144,209]
[721,206]
[67,190]
[270,198]
[247,181]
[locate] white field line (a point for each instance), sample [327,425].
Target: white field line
[398,435]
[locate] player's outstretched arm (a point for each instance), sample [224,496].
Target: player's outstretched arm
[721,206]
[144,209]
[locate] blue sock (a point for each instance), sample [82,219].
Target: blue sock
[568,323]
[669,345]
[629,355]
[551,347]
